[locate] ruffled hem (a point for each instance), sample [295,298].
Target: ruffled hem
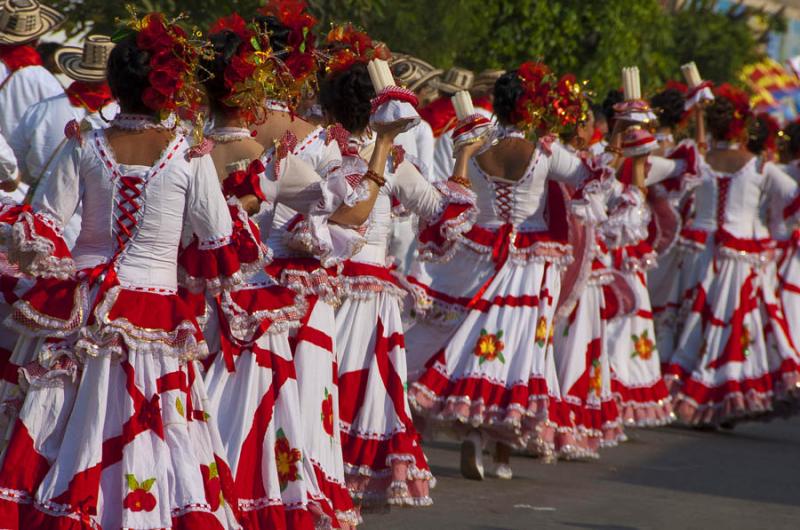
[220,264]
[518,416]
[775,394]
[362,281]
[307,277]
[438,235]
[34,242]
[648,406]
[264,307]
[337,499]
[51,308]
[386,472]
[129,321]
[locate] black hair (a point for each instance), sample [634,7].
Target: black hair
[757,135]
[599,112]
[507,91]
[669,107]
[346,96]
[718,118]
[128,70]
[278,33]
[613,97]
[792,131]
[225,43]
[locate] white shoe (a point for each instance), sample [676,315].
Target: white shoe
[472,456]
[502,471]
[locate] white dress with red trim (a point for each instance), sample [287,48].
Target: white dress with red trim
[787,239]
[735,358]
[581,357]
[384,462]
[499,293]
[663,281]
[309,266]
[113,427]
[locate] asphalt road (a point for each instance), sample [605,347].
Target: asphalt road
[669,478]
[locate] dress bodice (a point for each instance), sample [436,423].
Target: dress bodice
[523,203]
[137,213]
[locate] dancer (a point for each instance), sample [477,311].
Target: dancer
[493,378]
[384,461]
[735,358]
[113,431]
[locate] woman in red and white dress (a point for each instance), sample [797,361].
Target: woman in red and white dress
[495,379]
[113,430]
[735,358]
[384,462]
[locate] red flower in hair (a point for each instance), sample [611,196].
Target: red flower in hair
[349,46]
[741,108]
[235,23]
[154,34]
[677,85]
[293,15]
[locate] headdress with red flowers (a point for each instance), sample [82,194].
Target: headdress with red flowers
[741,109]
[347,46]
[174,61]
[766,123]
[299,57]
[548,105]
[253,74]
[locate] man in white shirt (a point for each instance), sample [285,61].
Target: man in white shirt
[39,138]
[23,79]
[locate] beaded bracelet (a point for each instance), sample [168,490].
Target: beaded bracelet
[461,180]
[613,150]
[374,177]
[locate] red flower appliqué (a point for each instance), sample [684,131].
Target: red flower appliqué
[139,499]
[327,413]
[212,485]
[489,347]
[286,459]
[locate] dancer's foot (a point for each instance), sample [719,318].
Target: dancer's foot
[472,456]
[501,471]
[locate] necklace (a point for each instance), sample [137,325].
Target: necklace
[225,135]
[274,104]
[142,122]
[725,146]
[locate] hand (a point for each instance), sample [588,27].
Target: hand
[10,186]
[250,204]
[387,132]
[471,148]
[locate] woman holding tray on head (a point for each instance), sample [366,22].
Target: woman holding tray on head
[384,461]
[112,431]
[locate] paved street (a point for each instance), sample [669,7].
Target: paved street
[668,478]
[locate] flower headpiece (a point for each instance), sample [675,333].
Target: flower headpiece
[766,122]
[741,109]
[299,56]
[548,105]
[348,46]
[253,74]
[174,61]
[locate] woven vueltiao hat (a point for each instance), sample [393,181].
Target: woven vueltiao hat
[484,81]
[455,80]
[23,21]
[87,63]
[411,72]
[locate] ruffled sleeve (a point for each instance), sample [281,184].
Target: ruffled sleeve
[32,236]
[783,192]
[677,174]
[565,166]
[302,189]
[224,247]
[628,217]
[446,210]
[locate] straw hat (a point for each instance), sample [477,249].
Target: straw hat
[485,81]
[412,72]
[455,80]
[22,21]
[89,63]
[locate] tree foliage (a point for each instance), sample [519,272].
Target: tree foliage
[592,38]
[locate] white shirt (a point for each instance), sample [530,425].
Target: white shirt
[27,86]
[8,162]
[418,142]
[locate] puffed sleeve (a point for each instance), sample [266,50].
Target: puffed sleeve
[443,161]
[316,199]
[628,216]
[783,192]
[679,179]
[445,209]
[224,249]
[565,166]
[33,234]
[8,162]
